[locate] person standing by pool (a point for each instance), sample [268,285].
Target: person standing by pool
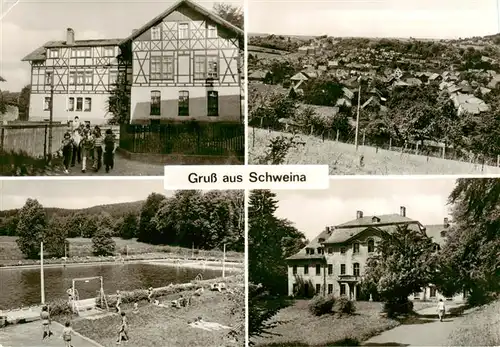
[45,317]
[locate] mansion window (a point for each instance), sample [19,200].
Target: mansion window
[183,31]
[320,250]
[155,103]
[342,289]
[355,269]
[295,269]
[183,103]
[318,288]
[155,33]
[206,67]
[371,246]
[310,251]
[109,51]
[212,31]
[330,269]
[330,288]
[162,68]
[46,103]
[330,250]
[49,75]
[71,104]
[79,104]
[81,52]
[355,247]
[318,269]
[342,250]
[54,53]
[342,269]
[306,269]
[213,103]
[88,105]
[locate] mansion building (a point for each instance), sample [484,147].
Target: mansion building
[181,66]
[335,260]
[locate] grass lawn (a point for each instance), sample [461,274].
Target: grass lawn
[343,159]
[82,247]
[155,326]
[479,328]
[300,328]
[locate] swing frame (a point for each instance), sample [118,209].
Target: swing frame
[104,301]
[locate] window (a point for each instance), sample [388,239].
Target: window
[155,103]
[46,103]
[183,103]
[183,31]
[295,269]
[80,78]
[355,269]
[330,288]
[113,76]
[109,51]
[306,269]
[81,53]
[371,246]
[72,78]
[432,292]
[318,269]
[167,67]
[79,104]
[318,288]
[342,289]
[320,250]
[342,269]
[309,250]
[49,75]
[330,250]
[88,78]
[436,247]
[212,67]
[88,105]
[54,53]
[330,269]
[212,31]
[155,33]
[355,247]
[342,250]
[71,104]
[199,68]
[155,68]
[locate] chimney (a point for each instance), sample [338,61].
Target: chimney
[70,37]
[446,223]
[402,211]
[359,214]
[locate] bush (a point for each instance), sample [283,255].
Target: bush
[321,305]
[305,289]
[345,306]
[60,307]
[398,306]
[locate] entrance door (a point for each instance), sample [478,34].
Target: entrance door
[342,289]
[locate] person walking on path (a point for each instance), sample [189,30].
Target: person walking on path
[441,310]
[67,151]
[45,317]
[98,142]
[109,150]
[123,330]
[87,148]
[77,152]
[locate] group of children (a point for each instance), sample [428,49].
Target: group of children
[82,143]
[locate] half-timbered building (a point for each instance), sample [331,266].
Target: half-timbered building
[181,66]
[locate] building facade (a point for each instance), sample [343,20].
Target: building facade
[181,66]
[334,262]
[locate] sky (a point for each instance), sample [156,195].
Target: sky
[75,194]
[375,18]
[28,24]
[311,210]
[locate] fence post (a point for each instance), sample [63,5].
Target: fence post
[390,143]
[444,152]
[337,138]
[45,144]
[416,149]
[364,133]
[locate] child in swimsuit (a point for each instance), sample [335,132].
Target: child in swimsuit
[45,317]
[66,334]
[123,330]
[118,301]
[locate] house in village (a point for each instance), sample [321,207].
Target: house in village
[258,75]
[180,66]
[334,261]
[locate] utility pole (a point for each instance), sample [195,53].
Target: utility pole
[51,117]
[357,115]
[42,279]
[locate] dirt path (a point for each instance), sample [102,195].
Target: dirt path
[425,332]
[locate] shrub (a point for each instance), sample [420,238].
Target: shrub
[304,289]
[321,305]
[59,307]
[345,306]
[398,306]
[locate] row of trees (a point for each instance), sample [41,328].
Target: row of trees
[186,219]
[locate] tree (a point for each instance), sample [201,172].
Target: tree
[403,264]
[76,224]
[102,242]
[323,92]
[118,104]
[128,228]
[230,13]
[469,259]
[30,228]
[147,230]
[24,103]
[3,104]
[54,238]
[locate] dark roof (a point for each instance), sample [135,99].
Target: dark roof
[192,5]
[301,256]
[39,53]
[384,219]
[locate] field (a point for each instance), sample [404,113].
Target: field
[343,159]
[479,328]
[80,249]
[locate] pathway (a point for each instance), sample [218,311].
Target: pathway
[423,333]
[30,335]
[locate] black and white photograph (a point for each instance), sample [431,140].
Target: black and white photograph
[120,88]
[99,263]
[376,262]
[375,87]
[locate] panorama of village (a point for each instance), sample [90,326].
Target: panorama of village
[375,105]
[135,265]
[385,262]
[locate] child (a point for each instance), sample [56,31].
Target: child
[109,150]
[67,150]
[136,307]
[123,330]
[98,140]
[45,317]
[150,294]
[441,310]
[118,301]
[77,153]
[66,334]
[87,143]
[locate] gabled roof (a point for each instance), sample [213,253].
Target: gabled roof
[192,5]
[299,76]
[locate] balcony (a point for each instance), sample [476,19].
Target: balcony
[349,278]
